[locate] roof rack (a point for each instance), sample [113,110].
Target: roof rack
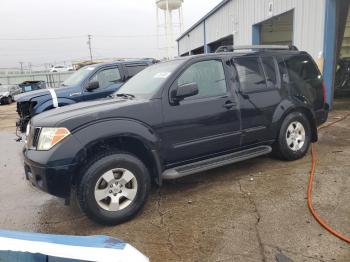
[231,48]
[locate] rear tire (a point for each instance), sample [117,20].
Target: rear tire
[294,137]
[114,188]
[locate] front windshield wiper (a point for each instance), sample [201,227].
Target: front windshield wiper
[126,95]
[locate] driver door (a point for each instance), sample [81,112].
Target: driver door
[109,80]
[204,124]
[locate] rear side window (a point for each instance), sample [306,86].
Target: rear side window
[282,69]
[250,73]
[208,75]
[301,68]
[270,71]
[134,69]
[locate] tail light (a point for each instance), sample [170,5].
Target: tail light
[324,92]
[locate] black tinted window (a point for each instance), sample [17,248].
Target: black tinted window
[283,69]
[250,73]
[301,67]
[134,69]
[208,75]
[270,71]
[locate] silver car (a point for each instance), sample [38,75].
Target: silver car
[7,93]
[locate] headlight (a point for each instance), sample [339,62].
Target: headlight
[50,136]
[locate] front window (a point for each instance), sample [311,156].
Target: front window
[147,82]
[107,77]
[78,76]
[209,77]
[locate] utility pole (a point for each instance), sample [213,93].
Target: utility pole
[89,44]
[21,63]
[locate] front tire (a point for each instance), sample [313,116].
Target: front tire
[114,188]
[294,137]
[9,100]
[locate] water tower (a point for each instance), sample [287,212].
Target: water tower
[169,23]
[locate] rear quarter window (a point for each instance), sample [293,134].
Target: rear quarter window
[306,78]
[301,67]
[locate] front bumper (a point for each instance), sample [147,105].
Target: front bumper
[55,180]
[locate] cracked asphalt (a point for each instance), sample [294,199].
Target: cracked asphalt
[252,211]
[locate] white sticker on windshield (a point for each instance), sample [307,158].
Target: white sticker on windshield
[162,75]
[90,68]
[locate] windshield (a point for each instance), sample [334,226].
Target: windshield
[147,82]
[78,76]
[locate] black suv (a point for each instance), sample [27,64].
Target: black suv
[174,119]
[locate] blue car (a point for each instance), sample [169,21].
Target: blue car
[18,246]
[89,83]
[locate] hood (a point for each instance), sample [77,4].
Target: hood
[75,115]
[29,95]
[60,92]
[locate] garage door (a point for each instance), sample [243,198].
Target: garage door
[345,48]
[278,30]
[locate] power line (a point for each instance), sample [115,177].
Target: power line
[126,36]
[76,37]
[41,38]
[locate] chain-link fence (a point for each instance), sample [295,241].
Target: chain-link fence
[52,79]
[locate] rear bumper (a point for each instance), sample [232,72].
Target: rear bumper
[55,180]
[322,115]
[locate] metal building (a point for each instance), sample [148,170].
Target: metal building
[315,26]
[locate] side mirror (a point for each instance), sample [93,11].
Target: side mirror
[92,86]
[184,91]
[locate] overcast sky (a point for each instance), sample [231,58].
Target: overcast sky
[120,28]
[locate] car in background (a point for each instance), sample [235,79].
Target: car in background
[28,86]
[7,93]
[342,78]
[60,68]
[88,83]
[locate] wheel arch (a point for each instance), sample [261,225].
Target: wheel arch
[284,110]
[142,144]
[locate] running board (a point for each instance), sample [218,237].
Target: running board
[211,163]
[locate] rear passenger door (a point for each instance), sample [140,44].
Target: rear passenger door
[259,95]
[204,124]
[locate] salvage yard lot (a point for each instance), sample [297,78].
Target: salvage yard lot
[251,211]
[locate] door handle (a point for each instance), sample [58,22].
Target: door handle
[229,104]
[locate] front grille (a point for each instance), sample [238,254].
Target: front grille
[25,112]
[33,137]
[23,109]
[36,136]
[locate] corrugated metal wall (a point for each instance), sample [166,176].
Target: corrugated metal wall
[238,16]
[220,24]
[192,40]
